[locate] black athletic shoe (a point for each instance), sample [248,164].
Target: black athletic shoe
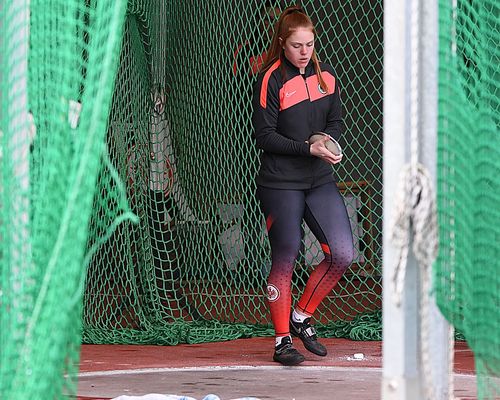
[305,332]
[286,354]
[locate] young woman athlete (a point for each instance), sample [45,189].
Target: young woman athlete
[296,95]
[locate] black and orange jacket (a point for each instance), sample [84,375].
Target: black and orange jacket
[287,108]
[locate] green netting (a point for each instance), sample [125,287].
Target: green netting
[49,174]
[467,279]
[194,268]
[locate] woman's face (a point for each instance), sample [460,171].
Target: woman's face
[299,47]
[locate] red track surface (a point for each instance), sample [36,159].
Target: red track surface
[255,351]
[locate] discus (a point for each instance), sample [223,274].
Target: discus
[332,145]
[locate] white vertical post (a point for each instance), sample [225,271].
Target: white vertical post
[401,378]
[441,354]
[402,358]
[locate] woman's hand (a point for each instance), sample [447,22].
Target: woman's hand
[319,149]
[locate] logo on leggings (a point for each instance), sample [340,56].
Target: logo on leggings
[273,293]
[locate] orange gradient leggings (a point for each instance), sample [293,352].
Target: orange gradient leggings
[324,211]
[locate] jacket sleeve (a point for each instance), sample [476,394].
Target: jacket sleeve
[265,121]
[335,123]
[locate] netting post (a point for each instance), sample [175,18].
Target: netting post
[440,340]
[402,354]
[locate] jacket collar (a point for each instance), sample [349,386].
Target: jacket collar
[309,70]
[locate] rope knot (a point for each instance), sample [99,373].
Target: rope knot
[416,217]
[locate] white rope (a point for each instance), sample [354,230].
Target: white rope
[416,221]
[415,217]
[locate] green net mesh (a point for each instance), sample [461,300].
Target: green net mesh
[194,268]
[49,173]
[467,279]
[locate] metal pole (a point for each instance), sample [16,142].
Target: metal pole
[401,378]
[439,338]
[402,361]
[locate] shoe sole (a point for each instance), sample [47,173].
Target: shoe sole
[290,364]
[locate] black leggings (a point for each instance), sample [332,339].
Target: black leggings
[324,211]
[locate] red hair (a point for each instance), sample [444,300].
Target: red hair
[290,20]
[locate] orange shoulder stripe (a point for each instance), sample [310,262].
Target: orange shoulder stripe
[315,91]
[265,82]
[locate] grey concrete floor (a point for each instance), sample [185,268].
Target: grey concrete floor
[262,382]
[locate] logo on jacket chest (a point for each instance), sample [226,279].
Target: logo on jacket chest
[293,92]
